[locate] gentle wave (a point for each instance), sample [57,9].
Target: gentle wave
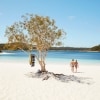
[5,53]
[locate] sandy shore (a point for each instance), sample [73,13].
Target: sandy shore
[15,83]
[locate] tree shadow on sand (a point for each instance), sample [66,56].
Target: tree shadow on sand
[60,77]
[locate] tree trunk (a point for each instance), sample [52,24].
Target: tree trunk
[42,66]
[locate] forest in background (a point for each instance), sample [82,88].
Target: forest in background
[14,46]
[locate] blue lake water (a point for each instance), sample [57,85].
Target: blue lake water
[53,56]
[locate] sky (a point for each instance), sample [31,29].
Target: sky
[80,19]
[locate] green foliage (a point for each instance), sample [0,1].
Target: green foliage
[96,48]
[15,46]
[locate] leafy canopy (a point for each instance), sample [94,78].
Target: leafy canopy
[35,30]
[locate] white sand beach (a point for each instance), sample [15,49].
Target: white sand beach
[15,83]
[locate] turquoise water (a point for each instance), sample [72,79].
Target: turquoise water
[53,56]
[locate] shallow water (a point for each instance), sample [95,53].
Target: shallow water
[53,56]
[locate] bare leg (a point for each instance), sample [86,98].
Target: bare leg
[72,69]
[76,69]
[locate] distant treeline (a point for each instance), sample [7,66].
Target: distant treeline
[69,48]
[96,48]
[14,46]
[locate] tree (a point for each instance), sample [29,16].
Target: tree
[96,48]
[37,31]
